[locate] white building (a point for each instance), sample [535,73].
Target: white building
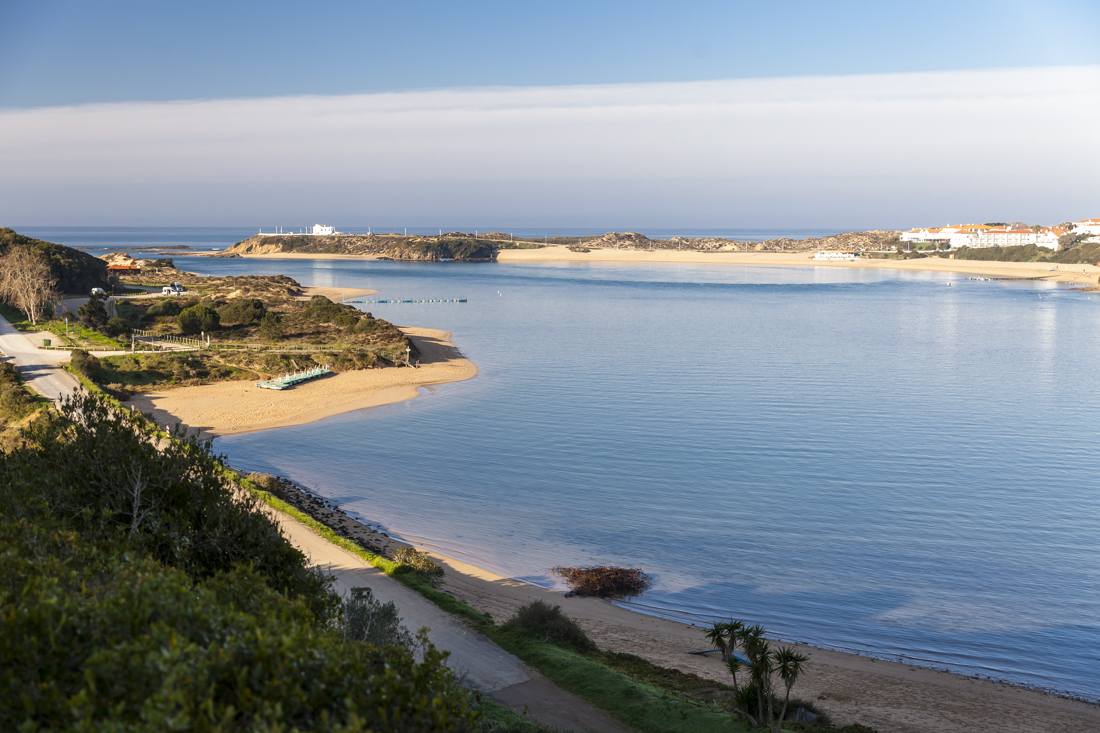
[836,255]
[1087,226]
[321,230]
[1005,237]
[962,235]
[1048,237]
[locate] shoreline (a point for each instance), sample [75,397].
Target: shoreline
[234,407]
[883,694]
[1071,274]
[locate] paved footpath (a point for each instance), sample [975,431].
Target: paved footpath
[484,666]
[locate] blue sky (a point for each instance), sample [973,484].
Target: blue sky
[115,62]
[78,52]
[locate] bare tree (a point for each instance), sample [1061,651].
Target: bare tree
[26,282]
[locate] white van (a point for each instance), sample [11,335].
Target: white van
[169,290]
[98,291]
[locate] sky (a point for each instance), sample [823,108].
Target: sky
[625,115]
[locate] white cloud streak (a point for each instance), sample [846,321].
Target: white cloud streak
[856,149]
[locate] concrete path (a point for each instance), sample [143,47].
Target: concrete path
[40,367]
[483,665]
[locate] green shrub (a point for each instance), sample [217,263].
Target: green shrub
[118,327]
[419,562]
[140,591]
[365,619]
[198,318]
[541,620]
[366,324]
[15,402]
[244,311]
[93,314]
[271,326]
[84,363]
[170,306]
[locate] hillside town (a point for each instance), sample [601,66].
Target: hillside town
[1001,235]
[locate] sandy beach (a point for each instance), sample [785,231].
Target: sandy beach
[1083,275]
[238,407]
[886,696]
[1080,274]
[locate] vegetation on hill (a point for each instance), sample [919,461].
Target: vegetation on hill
[257,326]
[462,246]
[1079,253]
[74,271]
[141,591]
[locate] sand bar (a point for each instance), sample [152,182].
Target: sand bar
[223,408]
[1081,274]
[1075,274]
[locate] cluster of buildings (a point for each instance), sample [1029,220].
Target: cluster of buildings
[319,230]
[982,235]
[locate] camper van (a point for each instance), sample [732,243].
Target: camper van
[169,290]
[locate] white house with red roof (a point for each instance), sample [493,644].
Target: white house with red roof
[1087,226]
[1006,237]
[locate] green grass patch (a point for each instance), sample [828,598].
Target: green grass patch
[642,706]
[15,317]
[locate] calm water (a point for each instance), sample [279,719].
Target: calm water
[869,461]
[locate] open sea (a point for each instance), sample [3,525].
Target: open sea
[870,461]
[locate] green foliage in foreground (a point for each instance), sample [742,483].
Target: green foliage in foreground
[141,592]
[15,401]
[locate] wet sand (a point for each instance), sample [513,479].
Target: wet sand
[223,408]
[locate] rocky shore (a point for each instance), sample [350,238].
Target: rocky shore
[329,514]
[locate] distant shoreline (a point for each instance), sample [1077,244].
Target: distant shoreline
[1074,274]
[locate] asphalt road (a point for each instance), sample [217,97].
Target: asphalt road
[40,367]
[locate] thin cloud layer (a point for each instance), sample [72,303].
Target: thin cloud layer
[860,150]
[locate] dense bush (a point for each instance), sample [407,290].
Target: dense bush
[84,363]
[271,326]
[419,562]
[170,306]
[604,581]
[118,327]
[243,311]
[541,620]
[198,318]
[15,402]
[364,618]
[93,314]
[141,592]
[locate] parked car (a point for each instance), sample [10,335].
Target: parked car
[98,291]
[169,290]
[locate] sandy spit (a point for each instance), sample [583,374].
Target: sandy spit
[1078,274]
[223,408]
[1075,274]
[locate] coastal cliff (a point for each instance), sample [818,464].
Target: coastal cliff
[460,246]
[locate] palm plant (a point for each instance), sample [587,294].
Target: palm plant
[763,664]
[788,662]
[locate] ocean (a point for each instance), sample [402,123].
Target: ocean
[872,461]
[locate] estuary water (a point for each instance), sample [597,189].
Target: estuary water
[872,461]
